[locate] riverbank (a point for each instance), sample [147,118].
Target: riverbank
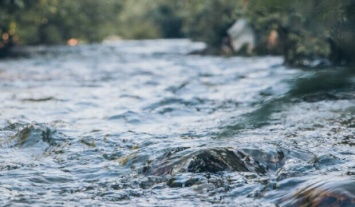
[306,33]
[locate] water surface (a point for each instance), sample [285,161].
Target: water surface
[143,123]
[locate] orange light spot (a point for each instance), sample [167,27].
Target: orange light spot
[5,36]
[72,42]
[272,39]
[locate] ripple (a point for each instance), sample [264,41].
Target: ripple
[143,123]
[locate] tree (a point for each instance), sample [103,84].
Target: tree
[308,30]
[55,21]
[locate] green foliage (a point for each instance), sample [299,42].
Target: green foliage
[306,28]
[206,20]
[55,21]
[209,20]
[141,19]
[7,24]
[167,16]
[134,21]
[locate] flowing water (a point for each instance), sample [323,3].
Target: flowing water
[143,123]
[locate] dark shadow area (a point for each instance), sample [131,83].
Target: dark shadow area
[323,85]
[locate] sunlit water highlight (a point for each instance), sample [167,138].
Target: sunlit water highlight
[143,123]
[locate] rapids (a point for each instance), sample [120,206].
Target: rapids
[146,123]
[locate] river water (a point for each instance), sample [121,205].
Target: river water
[143,123]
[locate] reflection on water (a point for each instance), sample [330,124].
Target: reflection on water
[143,123]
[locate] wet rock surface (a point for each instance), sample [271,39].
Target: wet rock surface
[35,134]
[140,123]
[320,191]
[205,161]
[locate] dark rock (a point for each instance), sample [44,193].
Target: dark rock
[211,160]
[324,192]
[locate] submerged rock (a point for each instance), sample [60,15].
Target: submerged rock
[294,168]
[35,135]
[217,159]
[336,191]
[210,160]
[275,158]
[185,180]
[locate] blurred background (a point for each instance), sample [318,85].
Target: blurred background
[302,31]
[168,103]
